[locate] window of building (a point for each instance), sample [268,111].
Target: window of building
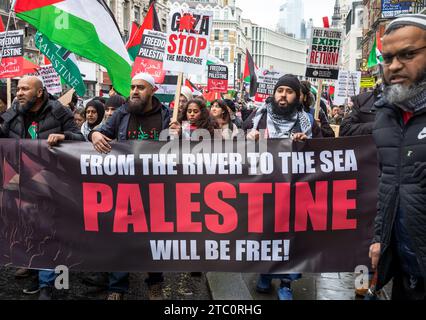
[5,5]
[226,55]
[137,14]
[359,43]
[226,35]
[217,53]
[226,15]
[358,64]
[216,34]
[126,14]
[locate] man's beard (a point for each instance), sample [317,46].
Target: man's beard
[28,105]
[285,112]
[136,107]
[399,93]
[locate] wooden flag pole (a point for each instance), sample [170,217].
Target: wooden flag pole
[318,102]
[177,96]
[9,92]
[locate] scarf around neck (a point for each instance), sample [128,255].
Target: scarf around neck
[280,127]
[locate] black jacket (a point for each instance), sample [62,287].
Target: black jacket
[117,125]
[402,150]
[361,119]
[54,118]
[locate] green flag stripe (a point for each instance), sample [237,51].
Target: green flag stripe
[80,37]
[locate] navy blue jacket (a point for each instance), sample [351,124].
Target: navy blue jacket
[116,127]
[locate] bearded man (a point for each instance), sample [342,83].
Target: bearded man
[399,245]
[143,117]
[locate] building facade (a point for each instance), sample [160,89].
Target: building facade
[275,50]
[377,15]
[352,44]
[291,20]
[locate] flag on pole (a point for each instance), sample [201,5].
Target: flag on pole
[326,22]
[87,28]
[193,87]
[250,74]
[150,22]
[64,62]
[2,28]
[133,29]
[375,56]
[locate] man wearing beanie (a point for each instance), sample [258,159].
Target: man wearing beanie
[142,117]
[281,116]
[398,251]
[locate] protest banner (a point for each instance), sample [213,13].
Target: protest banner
[217,78]
[151,55]
[188,40]
[51,79]
[266,81]
[11,53]
[281,207]
[348,85]
[324,55]
[368,82]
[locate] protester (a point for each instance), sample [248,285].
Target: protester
[143,117]
[360,120]
[336,116]
[221,113]
[112,92]
[3,99]
[185,96]
[233,112]
[34,115]
[398,251]
[194,116]
[94,114]
[307,100]
[113,103]
[79,117]
[282,117]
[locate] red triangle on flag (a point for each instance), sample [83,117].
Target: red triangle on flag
[2,29]
[25,5]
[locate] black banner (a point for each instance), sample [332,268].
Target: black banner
[280,207]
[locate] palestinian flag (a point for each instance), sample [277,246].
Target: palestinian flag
[192,86]
[250,74]
[150,22]
[2,28]
[213,60]
[134,28]
[375,56]
[85,27]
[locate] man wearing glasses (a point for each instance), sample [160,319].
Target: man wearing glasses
[399,246]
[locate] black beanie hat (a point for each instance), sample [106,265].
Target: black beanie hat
[290,81]
[115,102]
[230,104]
[99,108]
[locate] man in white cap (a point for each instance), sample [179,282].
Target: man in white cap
[143,117]
[399,244]
[185,96]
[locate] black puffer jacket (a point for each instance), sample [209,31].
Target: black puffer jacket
[402,150]
[361,119]
[54,118]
